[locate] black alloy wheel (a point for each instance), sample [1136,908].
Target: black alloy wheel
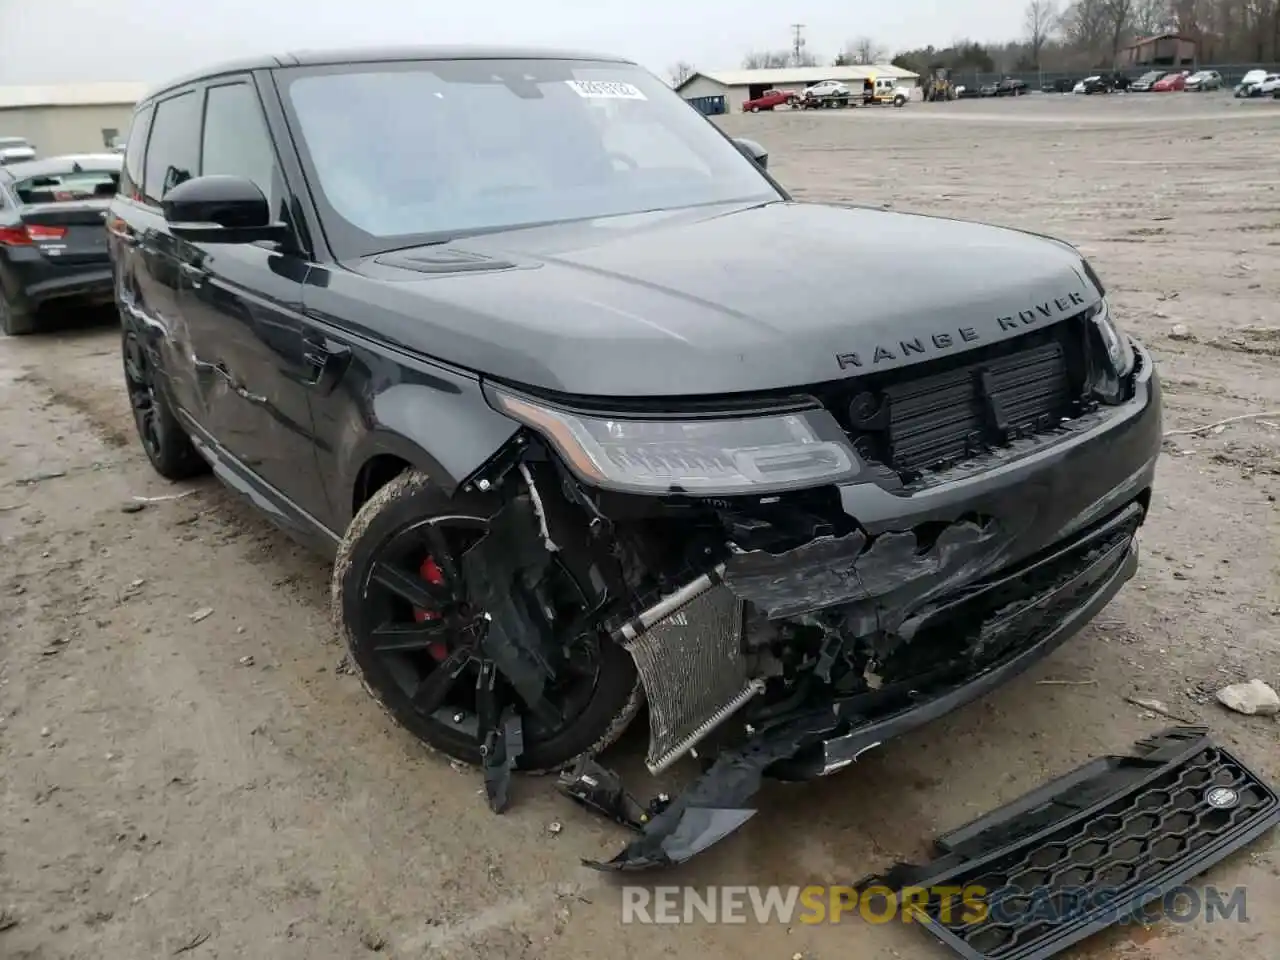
[407,609]
[164,441]
[142,396]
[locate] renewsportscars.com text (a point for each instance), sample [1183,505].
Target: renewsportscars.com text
[971,904]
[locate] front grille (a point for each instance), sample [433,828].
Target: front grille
[1091,848]
[939,414]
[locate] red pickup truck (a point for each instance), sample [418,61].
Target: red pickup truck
[768,100]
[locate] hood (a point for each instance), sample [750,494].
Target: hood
[713,300]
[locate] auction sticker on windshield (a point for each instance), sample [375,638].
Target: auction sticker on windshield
[606,89]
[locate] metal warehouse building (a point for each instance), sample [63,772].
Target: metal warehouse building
[69,118]
[739,85]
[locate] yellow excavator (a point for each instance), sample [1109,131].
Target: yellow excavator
[939,86]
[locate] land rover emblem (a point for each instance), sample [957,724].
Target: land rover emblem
[1222,798]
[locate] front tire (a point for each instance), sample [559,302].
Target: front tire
[419,657]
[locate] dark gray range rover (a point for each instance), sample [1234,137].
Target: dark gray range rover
[534,352]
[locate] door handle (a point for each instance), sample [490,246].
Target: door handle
[236,386]
[122,232]
[193,273]
[326,359]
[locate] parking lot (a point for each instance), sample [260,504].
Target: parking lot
[220,785]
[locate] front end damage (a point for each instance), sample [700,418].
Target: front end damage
[782,635]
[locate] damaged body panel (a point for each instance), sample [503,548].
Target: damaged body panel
[589,429]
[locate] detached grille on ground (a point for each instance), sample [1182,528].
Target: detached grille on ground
[1092,848]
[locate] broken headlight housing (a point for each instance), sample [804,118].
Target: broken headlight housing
[1119,349]
[705,455]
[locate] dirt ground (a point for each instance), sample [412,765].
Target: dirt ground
[160,795]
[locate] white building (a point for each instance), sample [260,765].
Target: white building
[69,118]
[739,85]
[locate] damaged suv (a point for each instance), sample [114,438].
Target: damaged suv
[536,353]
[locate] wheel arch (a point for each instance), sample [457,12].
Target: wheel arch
[446,434]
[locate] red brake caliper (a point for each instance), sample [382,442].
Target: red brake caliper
[430,571]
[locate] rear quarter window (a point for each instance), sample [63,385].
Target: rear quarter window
[135,153]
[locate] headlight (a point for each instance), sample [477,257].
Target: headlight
[1119,349]
[721,455]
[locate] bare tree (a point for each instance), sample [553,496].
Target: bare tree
[1120,22]
[864,51]
[1041,20]
[1151,17]
[680,72]
[766,59]
[1086,26]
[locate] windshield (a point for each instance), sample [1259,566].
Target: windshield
[406,153]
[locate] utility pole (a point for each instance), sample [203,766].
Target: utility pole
[797,43]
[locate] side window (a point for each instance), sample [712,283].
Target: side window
[236,140]
[173,154]
[135,150]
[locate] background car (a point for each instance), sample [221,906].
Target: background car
[1269,86]
[827,88]
[1204,80]
[1092,85]
[1249,81]
[1061,85]
[768,100]
[1170,83]
[15,150]
[1009,87]
[989,90]
[1148,80]
[53,238]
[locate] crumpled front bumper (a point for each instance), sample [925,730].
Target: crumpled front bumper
[1056,519]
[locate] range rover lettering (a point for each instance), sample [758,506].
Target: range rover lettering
[536,354]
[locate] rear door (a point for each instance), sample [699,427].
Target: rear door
[150,287]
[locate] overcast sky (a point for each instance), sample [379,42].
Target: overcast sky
[53,41]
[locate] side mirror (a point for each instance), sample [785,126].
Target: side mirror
[753,151]
[220,209]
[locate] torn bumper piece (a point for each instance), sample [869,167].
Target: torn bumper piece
[714,806]
[1085,851]
[1052,598]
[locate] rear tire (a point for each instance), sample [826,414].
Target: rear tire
[602,706]
[165,443]
[13,321]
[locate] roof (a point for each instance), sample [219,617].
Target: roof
[1159,36]
[72,95]
[774,75]
[340,55]
[64,164]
